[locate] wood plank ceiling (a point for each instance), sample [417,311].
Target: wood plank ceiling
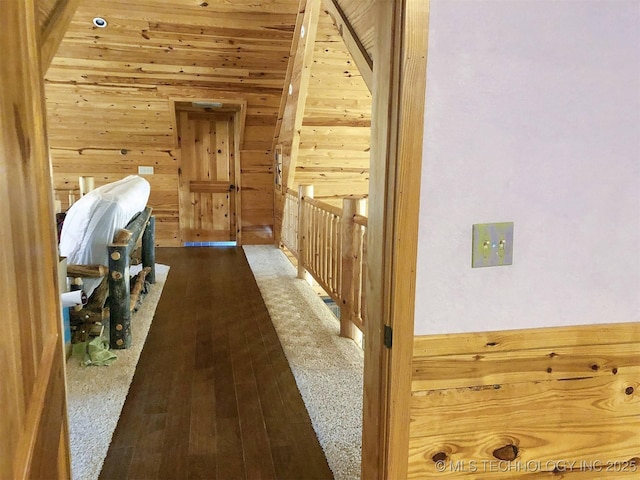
[108,92]
[44,12]
[361,18]
[336,128]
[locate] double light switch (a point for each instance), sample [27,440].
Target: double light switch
[492,244]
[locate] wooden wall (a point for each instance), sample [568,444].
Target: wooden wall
[336,128]
[527,402]
[108,93]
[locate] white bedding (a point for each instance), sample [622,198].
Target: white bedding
[92,221]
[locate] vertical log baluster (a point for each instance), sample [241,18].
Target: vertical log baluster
[303,230]
[148,249]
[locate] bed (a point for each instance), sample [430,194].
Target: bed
[100,233]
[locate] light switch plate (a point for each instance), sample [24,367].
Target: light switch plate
[492,244]
[145,170]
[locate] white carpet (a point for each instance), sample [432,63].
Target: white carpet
[95,395]
[328,369]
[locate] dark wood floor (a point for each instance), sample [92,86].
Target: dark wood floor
[213,395]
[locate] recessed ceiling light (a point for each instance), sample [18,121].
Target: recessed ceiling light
[99,22]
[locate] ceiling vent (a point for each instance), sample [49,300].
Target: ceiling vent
[207,104]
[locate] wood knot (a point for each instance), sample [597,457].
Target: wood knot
[440,457]
[614,371]
[549,370]
[552,354]
[634,461]
[629,390]
[492,344]
[595,367]
[507,453]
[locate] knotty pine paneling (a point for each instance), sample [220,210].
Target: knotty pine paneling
[108,165]
[109,90]
[336,129]
[257,190]
[546,397]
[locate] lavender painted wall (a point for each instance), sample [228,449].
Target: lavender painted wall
[532,116]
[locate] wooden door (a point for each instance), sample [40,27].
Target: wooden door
[33,420]
[207,177]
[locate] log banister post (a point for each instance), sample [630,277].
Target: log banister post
[350,250]
[119,293]
[124,242]
[149,250]
[304,191]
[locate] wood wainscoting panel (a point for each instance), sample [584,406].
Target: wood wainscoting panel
[540,403]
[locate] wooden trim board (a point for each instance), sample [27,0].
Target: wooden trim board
[238,138]
[54,29]
[302,6]
[293,114]
[34,439]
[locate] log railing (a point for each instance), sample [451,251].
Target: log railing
[322,248]
[360,223]
[330,245]
[289,235]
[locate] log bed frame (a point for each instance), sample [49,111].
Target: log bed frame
[115,286]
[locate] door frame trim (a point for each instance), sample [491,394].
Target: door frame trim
[399,88]
[34,427]
[239,121]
